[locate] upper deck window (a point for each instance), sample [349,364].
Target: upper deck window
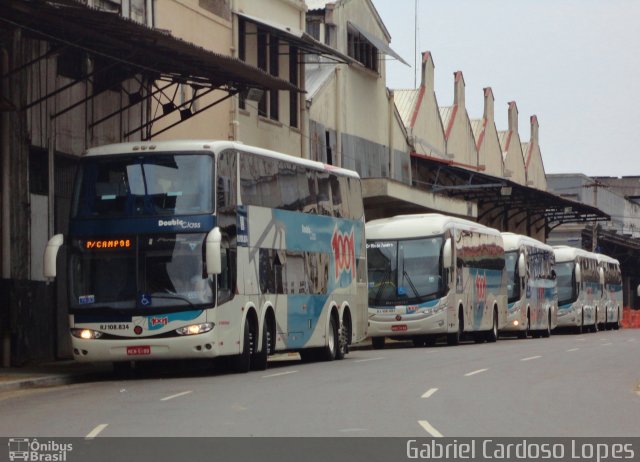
[148,185]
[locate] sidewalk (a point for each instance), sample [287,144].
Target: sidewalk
[66,372]
[49,374]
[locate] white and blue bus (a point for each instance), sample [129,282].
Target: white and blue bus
[611,281]
[531,286]
[199,249]
[432,275]
[579,288]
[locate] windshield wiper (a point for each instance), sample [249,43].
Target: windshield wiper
[406,275]
[384,281]
[170,296]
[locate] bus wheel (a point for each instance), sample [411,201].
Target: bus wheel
[454,339]
[330,351]
[343,344]
[242,362]
[260,358]
[377,342]
[492,334]
[547,332]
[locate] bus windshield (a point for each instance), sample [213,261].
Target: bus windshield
[143,273]
[566,282]
[406,271]
[513,285]
[144,185]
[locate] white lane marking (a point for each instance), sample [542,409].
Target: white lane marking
[430,429]
[581,339]
[278,374]
[530,358]
[177,395]
[96,431]
[479,371]
[368,359]
[607,344]
[573,349]
[429,393]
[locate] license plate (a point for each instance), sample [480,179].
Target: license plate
[399,328]
[138,350]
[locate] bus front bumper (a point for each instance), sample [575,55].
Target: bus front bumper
[434,323]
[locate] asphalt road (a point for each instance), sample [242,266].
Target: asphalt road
[567,385]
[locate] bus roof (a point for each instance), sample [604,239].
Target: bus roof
[419,225]
[606,258]
[513,241]
[216,146]
[566,253]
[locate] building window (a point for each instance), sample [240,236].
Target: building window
[274,69]
[262,64]
[293,78]
[313,29]
[218,7]
[360,49]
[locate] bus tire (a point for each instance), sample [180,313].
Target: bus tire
[546,333]
[454,339]
[260,358]
[342,346]
[377,343]
[330,351]
[242,362]
[492,334]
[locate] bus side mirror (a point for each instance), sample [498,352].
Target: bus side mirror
[521,266]
[447,259]
[212,252]
[51,255]
[638,290]
[578,274]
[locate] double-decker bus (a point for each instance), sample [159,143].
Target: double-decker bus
[579,288]
[199,249]
[611,281]
[432,275]
[531,286]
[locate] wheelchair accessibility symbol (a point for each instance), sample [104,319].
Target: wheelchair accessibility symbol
[144,299]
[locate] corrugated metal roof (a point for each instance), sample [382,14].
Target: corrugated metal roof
[445,115]
[316,76]
[406,103]
[476,127]
[525,151]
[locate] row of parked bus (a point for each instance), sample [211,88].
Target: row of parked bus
[202,249]
[432,276]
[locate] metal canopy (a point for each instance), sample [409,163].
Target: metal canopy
[298,38]
[499,197]
[378,43]
[132,51]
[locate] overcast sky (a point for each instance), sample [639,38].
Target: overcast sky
[573,63]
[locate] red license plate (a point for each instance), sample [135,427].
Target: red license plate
[399,328]
[138,350]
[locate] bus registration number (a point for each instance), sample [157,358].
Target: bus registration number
[399,328]
[138,350]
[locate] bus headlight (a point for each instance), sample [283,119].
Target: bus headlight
[86,334]
[195,329]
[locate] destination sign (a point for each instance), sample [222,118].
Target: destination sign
[107,244]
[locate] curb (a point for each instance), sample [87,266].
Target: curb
[40,382]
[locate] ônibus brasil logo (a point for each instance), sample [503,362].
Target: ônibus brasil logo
[29,449]
[344,252]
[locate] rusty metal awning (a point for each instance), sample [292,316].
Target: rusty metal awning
[497,196]
[133,45]
[298,38]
